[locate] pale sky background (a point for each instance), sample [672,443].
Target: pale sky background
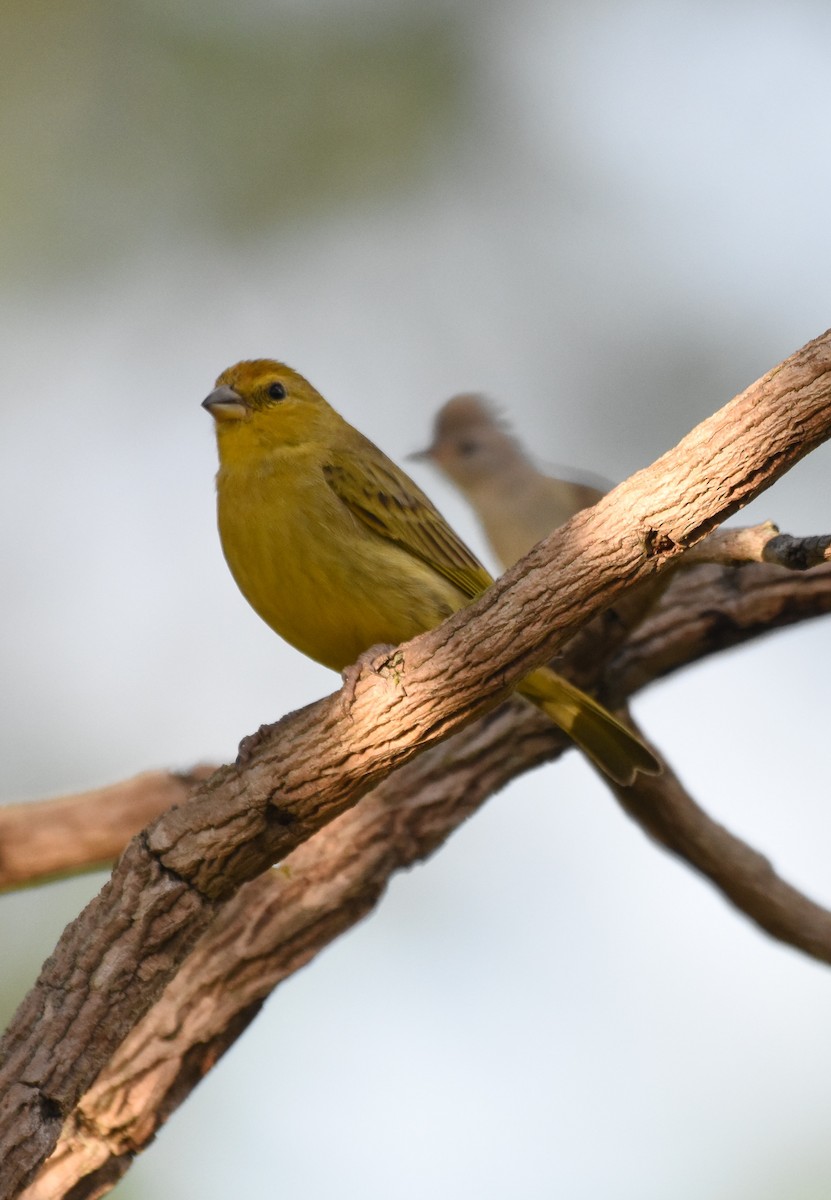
[611,217]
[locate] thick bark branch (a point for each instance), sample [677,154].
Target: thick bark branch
[703,613]
[114,960]
[281,920]
[272,928]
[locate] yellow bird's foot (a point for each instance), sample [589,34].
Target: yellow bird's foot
[365,664]
[249,745]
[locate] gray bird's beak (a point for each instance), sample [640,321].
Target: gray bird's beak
[224,404]
[420,455]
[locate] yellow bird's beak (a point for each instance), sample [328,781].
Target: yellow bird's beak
[224,404]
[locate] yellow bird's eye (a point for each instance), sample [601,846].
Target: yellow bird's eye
[276,391]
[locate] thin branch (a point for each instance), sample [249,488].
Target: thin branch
[761,544]
[667,812]
[113,962]
[44,839]
[710,611]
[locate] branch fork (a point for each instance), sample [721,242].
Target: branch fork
[201,869]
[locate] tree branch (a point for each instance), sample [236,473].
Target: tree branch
[713,611]
[113,962]
[760,544]
[746,878]
[43,840]
[272,928]
[276,924]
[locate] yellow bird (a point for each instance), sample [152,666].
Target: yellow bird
[338,550]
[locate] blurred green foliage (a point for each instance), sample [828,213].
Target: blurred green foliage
[120,121]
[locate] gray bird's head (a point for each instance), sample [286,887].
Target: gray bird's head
[470,443]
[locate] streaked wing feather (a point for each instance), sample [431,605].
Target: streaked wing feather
[391,505]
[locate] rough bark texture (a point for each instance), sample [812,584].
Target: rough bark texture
[281,920]
[113,962]
[273,927]
[703,612]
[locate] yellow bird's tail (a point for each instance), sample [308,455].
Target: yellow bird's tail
[616,750]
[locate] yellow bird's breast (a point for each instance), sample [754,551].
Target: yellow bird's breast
[319,577]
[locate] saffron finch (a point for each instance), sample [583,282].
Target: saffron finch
[338,550]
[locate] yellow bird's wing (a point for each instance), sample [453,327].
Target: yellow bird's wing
[386,501]
[382,497]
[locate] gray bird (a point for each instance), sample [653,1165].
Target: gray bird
[515,502]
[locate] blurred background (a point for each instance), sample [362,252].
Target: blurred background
[609,216]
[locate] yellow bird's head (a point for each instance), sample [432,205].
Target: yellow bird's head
[261,403]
